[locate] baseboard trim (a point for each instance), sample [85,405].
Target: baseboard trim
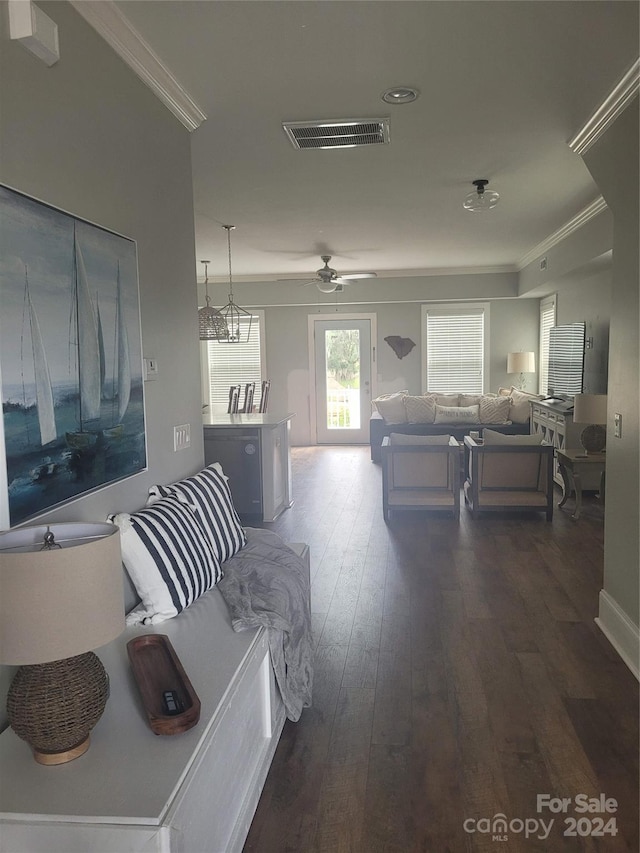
[621,632]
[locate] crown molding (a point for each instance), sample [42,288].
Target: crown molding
[580,219]
[608,111]
[114,27]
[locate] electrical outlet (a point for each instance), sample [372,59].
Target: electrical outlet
[617,425]
[181,437]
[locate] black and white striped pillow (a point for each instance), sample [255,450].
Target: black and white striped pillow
[208,492]
[168,557]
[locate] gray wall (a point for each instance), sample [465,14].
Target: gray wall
[513,326]
[613,162]
[79,136]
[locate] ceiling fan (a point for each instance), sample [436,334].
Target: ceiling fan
[328,280]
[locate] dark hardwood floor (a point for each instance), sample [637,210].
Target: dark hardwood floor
[459,674]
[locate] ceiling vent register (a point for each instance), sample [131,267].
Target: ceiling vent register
[338,133]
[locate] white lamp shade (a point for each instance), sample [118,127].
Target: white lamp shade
[521,362]
[590,409]
[60,602]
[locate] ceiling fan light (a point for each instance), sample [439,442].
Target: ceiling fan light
[326,286]
[481,199]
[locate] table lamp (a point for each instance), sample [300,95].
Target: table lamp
[521,362]
[61,595]
[591,409]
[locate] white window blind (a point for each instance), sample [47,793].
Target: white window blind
[236,364]
[454,348]
[547,322]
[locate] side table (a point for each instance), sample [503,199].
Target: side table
[571,464]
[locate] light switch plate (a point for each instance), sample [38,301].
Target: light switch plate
[150,369]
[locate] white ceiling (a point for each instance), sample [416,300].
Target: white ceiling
[504,86]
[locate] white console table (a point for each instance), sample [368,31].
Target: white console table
[554,422]
[137,792]
[253,450]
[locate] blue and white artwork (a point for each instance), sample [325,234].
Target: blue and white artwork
[70,358]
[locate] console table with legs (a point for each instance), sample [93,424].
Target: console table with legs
[573,466]
[553,420]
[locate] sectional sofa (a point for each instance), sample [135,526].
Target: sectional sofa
[507,412]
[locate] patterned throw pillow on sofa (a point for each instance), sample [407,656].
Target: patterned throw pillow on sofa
[520,411]
[391,407]
[457,415]
[420,410]
[495,410]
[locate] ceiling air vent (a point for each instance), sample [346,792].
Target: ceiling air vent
[338,133]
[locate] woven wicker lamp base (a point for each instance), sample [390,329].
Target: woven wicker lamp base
[593,438]
[53,706]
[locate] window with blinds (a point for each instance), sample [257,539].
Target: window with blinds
[235,364]
[454,348]
[547,322]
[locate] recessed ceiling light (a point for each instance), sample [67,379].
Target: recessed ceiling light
[400,95]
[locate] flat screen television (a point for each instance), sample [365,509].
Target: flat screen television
[566,360]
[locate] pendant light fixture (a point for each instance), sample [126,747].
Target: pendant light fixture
[237,319]
[213,326]
[481,199]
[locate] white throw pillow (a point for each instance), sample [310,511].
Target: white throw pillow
[495,410]
[168,557]
[420,410]
[391,407]
[520,411]
[448,399]
[468,400]
[457,415]
[492,436]
[399,439]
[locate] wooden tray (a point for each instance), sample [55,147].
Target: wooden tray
[156,668]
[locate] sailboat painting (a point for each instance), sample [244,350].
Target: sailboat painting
[70,358]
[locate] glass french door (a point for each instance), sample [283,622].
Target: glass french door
[342,351]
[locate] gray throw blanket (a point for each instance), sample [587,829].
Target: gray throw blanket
[265,584]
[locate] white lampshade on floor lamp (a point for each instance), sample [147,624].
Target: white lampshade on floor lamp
[591,409]
[61,595]
[521,363]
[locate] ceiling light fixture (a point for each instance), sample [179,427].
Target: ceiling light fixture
[212,325]
[238,320]
[481,199]
[400,95]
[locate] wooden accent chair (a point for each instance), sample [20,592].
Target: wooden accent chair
[420,473]
[513,473]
